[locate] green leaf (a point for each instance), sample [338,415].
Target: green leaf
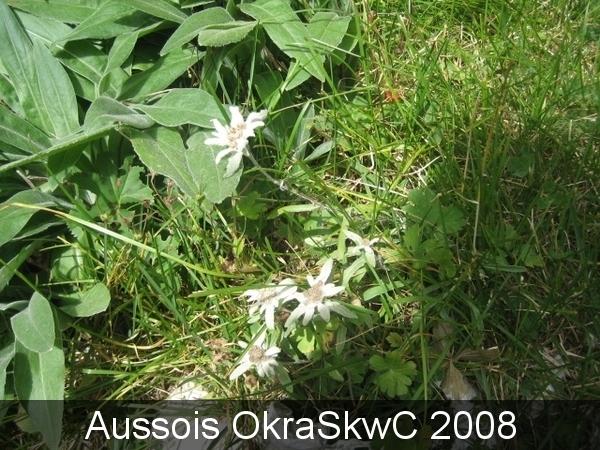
[17,255]
[21,134]
[162,151]
[16,53]
[120,50]
[181,106]
[251,206]
[105,110]
[162,73]
[287,31]
[88,303]
[57,93]
[34,326]
[424,207]
[9,95]
[209,175]
[219,35]
[14,217]
[110,20]
[41,376]
[188,30]
[393,373]
[85,61]
[159,8]
[70,11]
[6,355]
[74,140]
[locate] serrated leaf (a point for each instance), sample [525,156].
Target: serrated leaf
[120,50]
[88,303]
[182,106]
[424,206]
[34,326]
[6,355]
[13,217]
[162,151]
[21,134]
[209,175]
[105,110]
[395,340]
[69,11]
[41,376]
[393,373]
[189,29]
[159,8]
[219,35]
[162,73]
[412,238]
[287,31]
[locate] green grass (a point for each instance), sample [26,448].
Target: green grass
[466,140]
[490,105]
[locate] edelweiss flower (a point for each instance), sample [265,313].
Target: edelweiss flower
[266,300]
[259,356]
[235,137]
[314,299]
[363,244]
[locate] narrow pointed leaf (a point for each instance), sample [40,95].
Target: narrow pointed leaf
[189,29]
[162,73]
[120,50]
[105,110]
[21,134]
[224,34]
[159,8]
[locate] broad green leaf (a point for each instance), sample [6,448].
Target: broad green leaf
[120,50]
[13,217]
[181,106]
[287,31]
[110,20]
[159,8]
[105,110]
[41,376]
[69,11]
[88,303]
[188,30]
[321,150]
[6,355]
[208,175]
[56,91]
[162,73]
[21,134]
[162,151]
[34,326]
[223,34]
[195,3]
[327,30]
[16,53]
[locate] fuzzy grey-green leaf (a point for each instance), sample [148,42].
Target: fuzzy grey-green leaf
[34,326]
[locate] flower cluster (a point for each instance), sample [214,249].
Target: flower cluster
[312,303]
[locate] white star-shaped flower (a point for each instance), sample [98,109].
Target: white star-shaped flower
[235,136]
[267,300]
[314,299]
[260,356]
[362,244]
